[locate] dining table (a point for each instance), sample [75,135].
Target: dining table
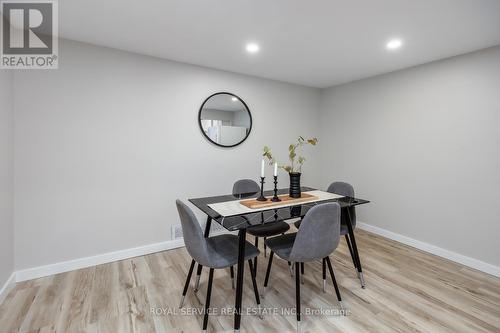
[228,211]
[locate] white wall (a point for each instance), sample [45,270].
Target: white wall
[6,176]
[423,145]
[106,143]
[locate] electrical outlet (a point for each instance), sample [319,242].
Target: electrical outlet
[176,231]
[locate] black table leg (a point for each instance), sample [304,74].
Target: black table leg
[200,267]
[255,260]
[239,278]
[354,261]
[355,248]
[207,227]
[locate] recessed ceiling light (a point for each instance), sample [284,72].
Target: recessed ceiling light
[234,99]
[394,44]
[252,48]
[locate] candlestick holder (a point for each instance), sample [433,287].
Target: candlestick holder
[262,197]
[275,197]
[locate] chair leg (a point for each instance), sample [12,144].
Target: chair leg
[207,302]
[337,291]
[291,268]
[198,275]
[254,283]
[297,294]
[302,272]
[265,247]
[350,251]
[232,276]
[255,260]
[268,272]
[186,285]
[324,275]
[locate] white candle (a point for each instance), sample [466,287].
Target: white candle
[275,168]
[262,166]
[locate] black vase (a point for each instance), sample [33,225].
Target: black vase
[294,184]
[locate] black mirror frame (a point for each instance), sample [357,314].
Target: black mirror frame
[246,107]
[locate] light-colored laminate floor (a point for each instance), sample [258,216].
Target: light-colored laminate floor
[407,291]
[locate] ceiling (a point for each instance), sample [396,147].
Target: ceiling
[317,43]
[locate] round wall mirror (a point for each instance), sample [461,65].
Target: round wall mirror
[225,119]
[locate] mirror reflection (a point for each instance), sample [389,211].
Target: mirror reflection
[225,119]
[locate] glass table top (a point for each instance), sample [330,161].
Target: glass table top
[270,215]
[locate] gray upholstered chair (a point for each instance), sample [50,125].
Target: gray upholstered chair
[213,252]
[345,189]
[316,239]
[246,187]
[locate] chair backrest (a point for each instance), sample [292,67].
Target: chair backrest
[196,244]
[245,187]
[319,233]
[345,189]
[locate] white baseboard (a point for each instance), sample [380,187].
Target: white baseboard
[66,266]
[453,256]
[9,284]
[71,265]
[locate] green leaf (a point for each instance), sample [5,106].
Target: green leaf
[267,154]
[312,141]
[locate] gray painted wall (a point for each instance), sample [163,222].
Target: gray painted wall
[106,143]
[6,176]
[424,145]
